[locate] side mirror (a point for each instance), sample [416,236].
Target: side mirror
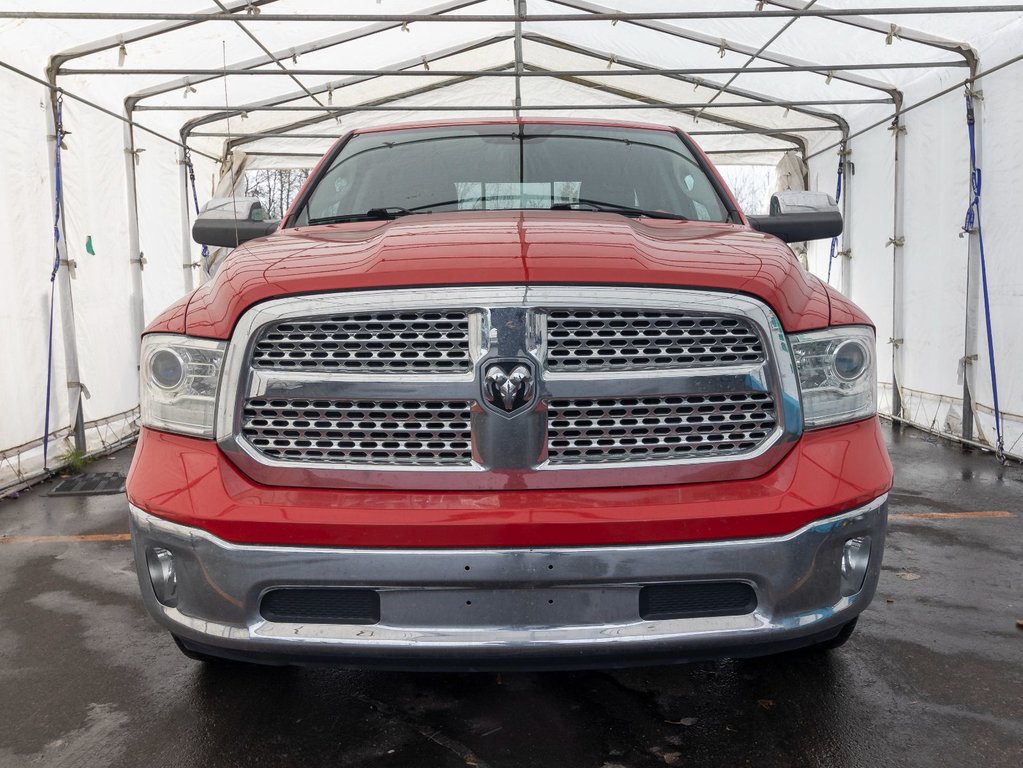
[798,216]
[231,221]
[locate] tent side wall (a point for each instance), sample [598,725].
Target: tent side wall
[932,293]
[104,299]
[26,218]
[1001,118]
[938,298]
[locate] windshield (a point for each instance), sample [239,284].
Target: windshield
[512,167]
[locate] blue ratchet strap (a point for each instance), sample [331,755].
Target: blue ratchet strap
[58,138]
[838,198]
[195,200]
[972,224]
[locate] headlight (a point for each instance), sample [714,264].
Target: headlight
[180,378]
[837,375]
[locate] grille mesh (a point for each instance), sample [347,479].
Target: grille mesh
[650,428]
[432,341]
[643,339]
[684,601]
[421,433]
[321,605]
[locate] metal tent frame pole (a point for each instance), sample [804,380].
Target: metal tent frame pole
[251,65]
[971,330]
[642,102]
[210,73]
[276,134]
[188,128]
[897,243]
[186,226]
[753,57]
[602,15]
[690,79]
[136,259]
[536,38]
[284,131]
[787,62]
[891,30]
[349,108]
[53,88]
[132,102]
[846,251]
[275,58]
[693,111]
[73,379]
[905,108]
[739,151]
[520,10]
[366,107]
[117,41]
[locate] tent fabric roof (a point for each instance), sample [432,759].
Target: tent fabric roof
[753,79]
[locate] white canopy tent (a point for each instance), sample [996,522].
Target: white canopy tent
[869,89]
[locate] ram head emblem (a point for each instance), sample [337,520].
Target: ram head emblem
[508,386]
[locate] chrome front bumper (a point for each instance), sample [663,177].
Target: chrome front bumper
[564,607]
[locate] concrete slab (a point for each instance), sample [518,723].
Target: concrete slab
[932,677]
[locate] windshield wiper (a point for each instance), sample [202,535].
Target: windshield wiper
[392,212]
[373,214]
[624,210]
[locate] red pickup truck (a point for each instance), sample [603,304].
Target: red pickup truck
[510,393]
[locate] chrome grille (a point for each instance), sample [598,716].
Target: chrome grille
[589,431]
[408,432]
[654,385]
[643,339]
[435,341]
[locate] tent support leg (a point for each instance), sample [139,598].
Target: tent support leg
[79,431]
[897,242]
[67,311]
[970,336]
[138,314]
[845,253]
[520,10]
[973,299]
[186,231]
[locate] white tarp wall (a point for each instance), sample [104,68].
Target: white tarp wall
[924,292]
[938,294]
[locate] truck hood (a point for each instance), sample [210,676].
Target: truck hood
[508,247]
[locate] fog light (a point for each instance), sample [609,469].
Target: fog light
[855,556]
[162,575]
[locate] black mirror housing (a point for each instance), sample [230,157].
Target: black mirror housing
[228,233]
[228,222]
[798,215]
[797,227]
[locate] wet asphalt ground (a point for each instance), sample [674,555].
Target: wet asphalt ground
[933,675]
